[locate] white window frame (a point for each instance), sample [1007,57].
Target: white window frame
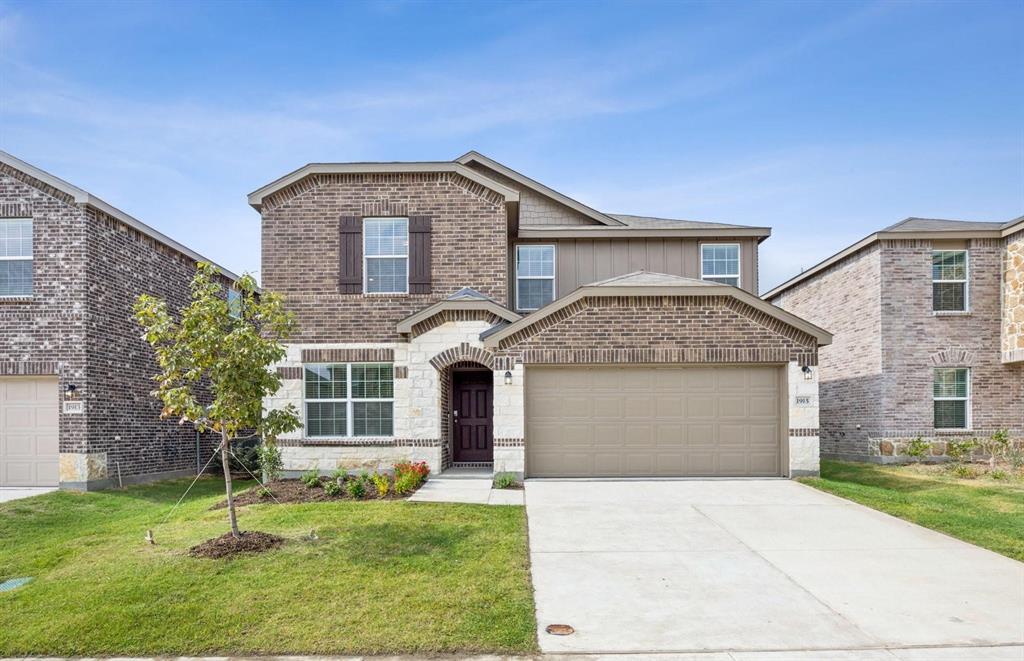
[349,401]
[22,258]
[553,277]
[739,262]
[968,422]
[966,281]
[367,258]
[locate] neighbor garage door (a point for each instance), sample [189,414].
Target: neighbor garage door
[653,421]
[28,432]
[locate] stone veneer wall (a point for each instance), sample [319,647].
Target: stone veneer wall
[1013,298]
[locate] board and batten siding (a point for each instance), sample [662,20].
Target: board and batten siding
[581,262]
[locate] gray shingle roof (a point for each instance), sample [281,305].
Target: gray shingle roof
[469,294]
[651,279]
[652,222]
[942,225]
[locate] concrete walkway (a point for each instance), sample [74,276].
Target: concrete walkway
[465,485]
[15,493]
[759,566]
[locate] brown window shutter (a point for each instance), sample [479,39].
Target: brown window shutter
[419,254]
[350,255]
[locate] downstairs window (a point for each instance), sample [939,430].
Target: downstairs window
[349,399]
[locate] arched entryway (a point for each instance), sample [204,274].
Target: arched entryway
[466,376]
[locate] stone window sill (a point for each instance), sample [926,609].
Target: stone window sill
[951,313]
[16,299]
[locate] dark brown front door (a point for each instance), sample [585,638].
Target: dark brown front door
[472,434]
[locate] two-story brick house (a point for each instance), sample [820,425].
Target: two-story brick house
[460,313]
[928,317]
[75,373]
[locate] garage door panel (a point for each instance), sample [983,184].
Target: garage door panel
[29,431]
[635,421]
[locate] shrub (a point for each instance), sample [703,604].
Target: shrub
[311,478]
[919,448]
[407,482]
[505,481]
[339,474]
[270,462]
[381,483]
[997,446]
[356,488]
[263,492]
[960,449]
[963,471]
[420,468]
[332,488]
[999,475]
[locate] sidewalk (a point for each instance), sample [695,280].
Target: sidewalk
[465,485]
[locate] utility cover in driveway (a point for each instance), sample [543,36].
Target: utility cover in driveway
[653,421]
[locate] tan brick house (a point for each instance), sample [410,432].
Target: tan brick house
[928,317]
[460,313]
[75,408]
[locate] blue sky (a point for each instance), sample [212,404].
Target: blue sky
[825,121]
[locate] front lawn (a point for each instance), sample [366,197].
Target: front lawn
[382,577]
[983,511]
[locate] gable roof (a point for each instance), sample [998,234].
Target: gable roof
[81,196]
[601,218]
[647,283]
[910,228]
[257,196]
[464,299]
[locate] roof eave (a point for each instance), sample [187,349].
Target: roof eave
[576,205]
[256,197]
[81,196]
[406,325]
[822,336]
[934,235]
[595,232]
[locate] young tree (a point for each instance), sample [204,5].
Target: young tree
[215,362]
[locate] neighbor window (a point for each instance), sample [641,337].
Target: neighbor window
[949,280]
[235,303]
[951,395]
[535,276]
[15,257]
[350,399]
[386,255]
[720,262]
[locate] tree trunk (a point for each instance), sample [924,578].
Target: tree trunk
[224,451]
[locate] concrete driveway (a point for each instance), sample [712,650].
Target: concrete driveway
[17,493]
[756,565]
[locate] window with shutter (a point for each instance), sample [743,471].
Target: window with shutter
[350,255]
[419,254]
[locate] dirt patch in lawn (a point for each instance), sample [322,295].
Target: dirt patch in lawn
[226,545]
[295,491]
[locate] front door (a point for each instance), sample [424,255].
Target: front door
[472,433]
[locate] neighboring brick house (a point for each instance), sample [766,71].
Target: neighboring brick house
[75,373]
[928,317]
[460,313]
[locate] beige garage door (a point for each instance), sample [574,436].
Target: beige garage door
[28,432]
[653,421]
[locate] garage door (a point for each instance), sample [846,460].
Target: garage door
[28,432]
[653,421]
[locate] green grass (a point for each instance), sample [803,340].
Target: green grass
[384,577]
[985,512]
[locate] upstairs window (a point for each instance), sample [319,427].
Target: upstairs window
[349,399]
[535,276]
[720,262]
[386,255]
[951,396]
[15,257]
[949,280]
[235,303]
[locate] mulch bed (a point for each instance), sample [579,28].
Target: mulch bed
[294,491]
[226,545]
